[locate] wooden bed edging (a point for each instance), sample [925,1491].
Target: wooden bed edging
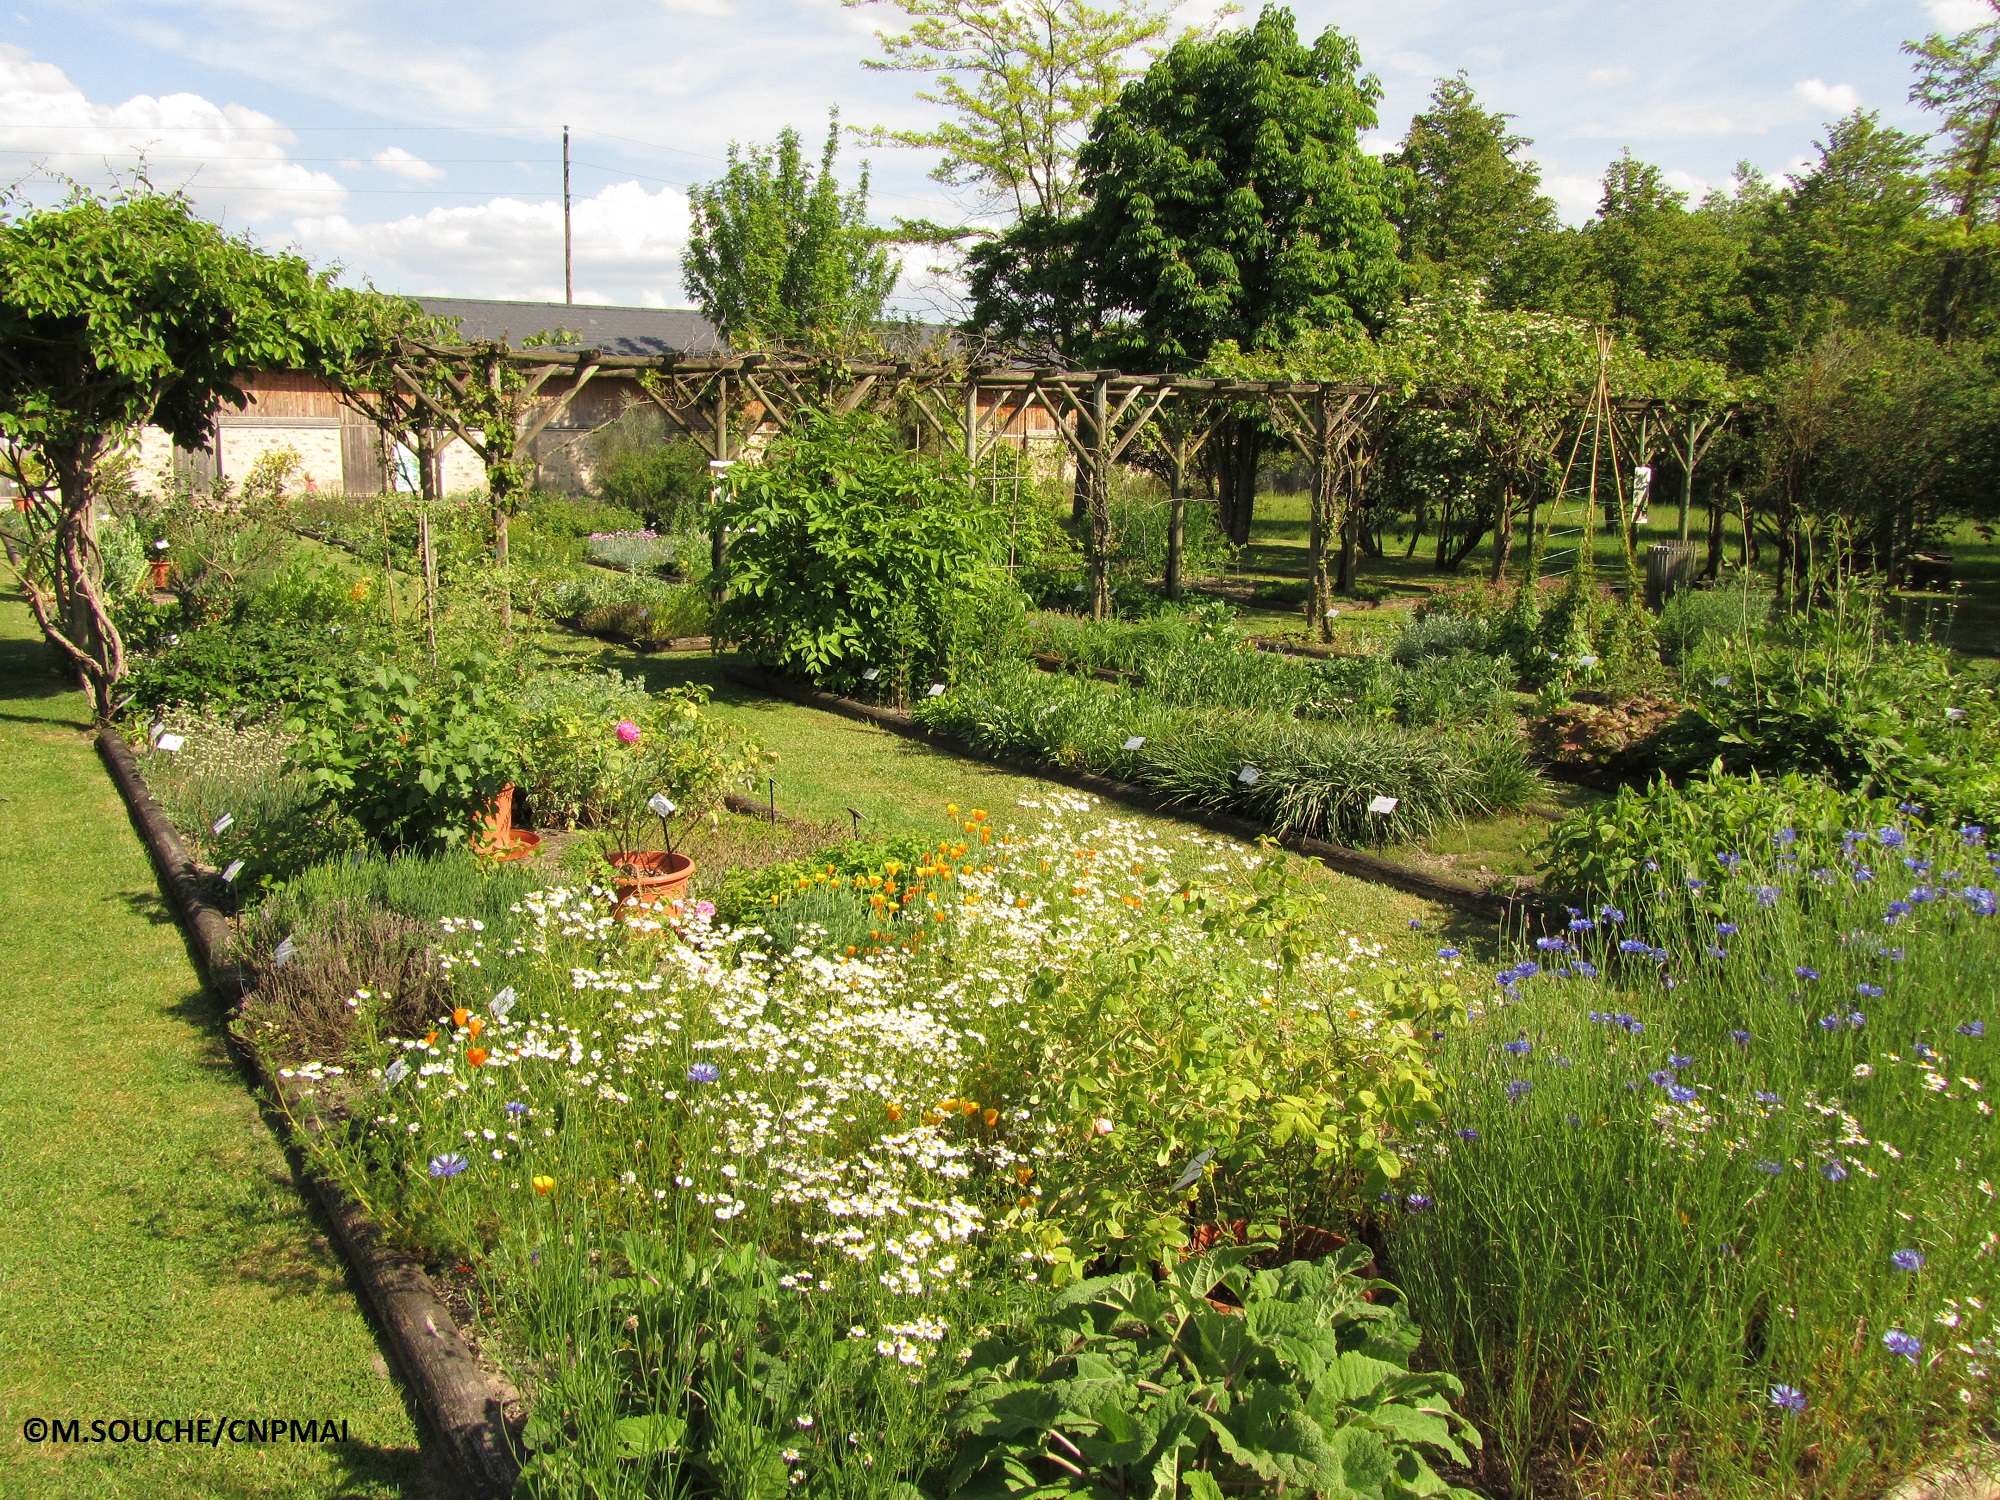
[1442,889]
[472,1413]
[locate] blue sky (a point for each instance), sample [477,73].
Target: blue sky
[417,142]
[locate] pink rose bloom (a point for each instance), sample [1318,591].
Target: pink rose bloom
[628,731]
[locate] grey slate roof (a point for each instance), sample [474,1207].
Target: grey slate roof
[610,330]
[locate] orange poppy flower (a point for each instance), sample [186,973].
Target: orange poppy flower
[992,1117]
[474,1026]
[475,1055]
[458,1016]
[545,1185]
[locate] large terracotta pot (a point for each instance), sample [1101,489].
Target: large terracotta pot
[161,568]
[649,877]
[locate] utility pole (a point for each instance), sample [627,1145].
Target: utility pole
[569,280]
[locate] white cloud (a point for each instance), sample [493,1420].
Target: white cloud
[1576,196]
[225,156]
[1604,78]
[1831,98]
[627,246]
[1959,15]
[406,165]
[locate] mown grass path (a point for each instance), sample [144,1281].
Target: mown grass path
[156,1257]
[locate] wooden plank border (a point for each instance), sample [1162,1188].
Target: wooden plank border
[473,1415]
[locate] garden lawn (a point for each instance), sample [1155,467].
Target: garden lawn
[828,764]
[157,1257]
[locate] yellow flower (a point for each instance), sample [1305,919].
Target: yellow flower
[895,1112]
[992,1117]
[545,1185]
[952,808]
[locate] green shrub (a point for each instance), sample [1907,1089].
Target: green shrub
[569,742]
[414,761]
[1118,1382]
[849,552]
[646,611]
[667,485]
[1693,616]
[1437,633]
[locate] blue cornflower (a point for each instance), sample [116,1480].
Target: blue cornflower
[516,1107]
[1680,1093]
[1527,968]
[1416,1203]
[1552,944]
[1582,924]
[1611,914]
[1651,866]
[1919,894]
[1923,1051]
[1806,972]
[1767,895]
[1823,876]
[1972,834]
[1586,968]
[1869,991]
[1516,1087]
[1726,929]
[1896,912]
[1448,953]
[1519,1047]
[1973,1028]
[1770,1168]
[1765,1096]
[449,1164]
[1635,945]
[1894,955]
[1740,1037]
[1980,899]
[1416,924]
[1916,866]
[1890,838]
[1785,837]
[704,1072]
[1910,809]
[1907,1260]
[1857,1019]
[1677,1061]
[1833,1171]
[1788,1398]
[1729,861]
[1832,1023]
[1599,1017]
[1852,837]
[1467,1134]
[1863,874]
[1506,979]
[1629,1023]
[1906,1344]
[1662,1077]
[1717,953]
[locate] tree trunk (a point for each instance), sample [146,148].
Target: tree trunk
[1713,568]
[1176,521]
[1503,534]
[75,620]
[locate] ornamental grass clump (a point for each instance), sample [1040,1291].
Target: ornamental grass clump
[741,1210]
[1717,1179]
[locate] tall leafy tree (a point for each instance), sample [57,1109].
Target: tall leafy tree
[1958,80]
[117,312]
[1022,80]
[779,255]
[1474,208]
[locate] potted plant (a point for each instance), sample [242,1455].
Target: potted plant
[498,838]
[651,878]
[649,767]
[160,565]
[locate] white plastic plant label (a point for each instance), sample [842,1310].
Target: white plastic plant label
[395,1073]
[1383,806]
[1249,775]
[221,824]
[871,674]
[661,806]
[235,868]
[1135,742]
[502,1003]
[170,742]
[284,953]
[937,690]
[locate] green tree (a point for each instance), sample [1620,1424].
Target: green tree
[1022,79]
[1958,80]
[1650,266]
[117,312]
[1843,243]
[778,255]
[1473,208]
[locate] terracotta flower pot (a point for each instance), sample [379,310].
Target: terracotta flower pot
[649,877]
[161,568]
[498,838]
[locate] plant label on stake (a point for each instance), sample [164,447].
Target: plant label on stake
[235,869]
[1191,1173]
[170,742]
[283,954]
[663,809]
[855,814]
[1135,742]
[502,1003]
[395,1073]
[937,690]
[221,824]
[1383,806]
[871,674]
[1249,775]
